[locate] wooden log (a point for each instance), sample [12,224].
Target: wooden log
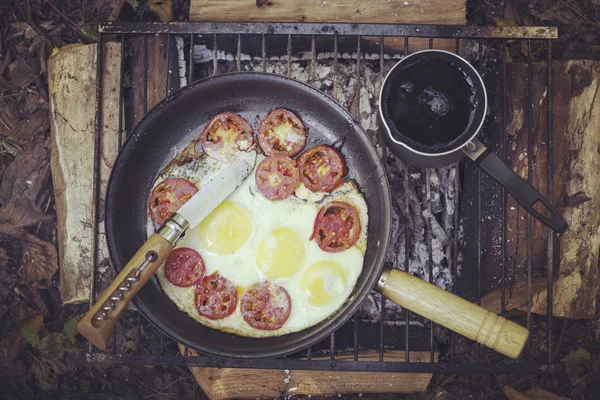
[576,189]
[450,12]
[576,181]
[394,11]
[155,87]
[72,90]
[229,383]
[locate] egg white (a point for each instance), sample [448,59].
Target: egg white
[240,267]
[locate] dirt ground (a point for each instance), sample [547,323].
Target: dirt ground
[38,341]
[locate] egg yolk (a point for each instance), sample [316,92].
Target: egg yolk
[226,229]
[324,280]
[280,253]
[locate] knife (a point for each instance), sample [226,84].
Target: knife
[100,320]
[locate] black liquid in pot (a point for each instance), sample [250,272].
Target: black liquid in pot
[431,102]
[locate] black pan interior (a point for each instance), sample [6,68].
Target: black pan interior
[180,118]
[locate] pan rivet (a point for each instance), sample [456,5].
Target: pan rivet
[471,146]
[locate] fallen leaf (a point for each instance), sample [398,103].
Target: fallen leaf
[537,393]
[15,343]
[575,363]
[70,330]
[39,261]
[3,257]
[21,73]
[9,115]
[32,127]
[23,28]
[26,175]
[513,394]
[534,393]
[557,15]
[575,200]
[504,22]
[22,212]
[53,357]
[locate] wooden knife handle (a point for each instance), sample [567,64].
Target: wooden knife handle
[97,325]
[453,312]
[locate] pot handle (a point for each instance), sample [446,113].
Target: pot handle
[99,322]
[453,312]
[519,189]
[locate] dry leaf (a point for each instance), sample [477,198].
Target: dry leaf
[11,346]
[9,115]
[22,212]
[39,260]
[26,175]
[32,127]
[535,393]
[21,74]
[3,257]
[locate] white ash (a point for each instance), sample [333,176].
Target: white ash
[411,228]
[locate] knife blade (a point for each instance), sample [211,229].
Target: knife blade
[218,189]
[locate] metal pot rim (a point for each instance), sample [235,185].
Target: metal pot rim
[457,148]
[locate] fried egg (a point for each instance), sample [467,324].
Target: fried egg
[249,239]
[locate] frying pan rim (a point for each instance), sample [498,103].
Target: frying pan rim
[329,324]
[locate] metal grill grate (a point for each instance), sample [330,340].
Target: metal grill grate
[166,353]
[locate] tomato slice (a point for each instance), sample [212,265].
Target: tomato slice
[277,177]
[225,135]
[337,227]
[215,297]
[184,267]
[266,306]
[168,196]
[321,168]
[281,132]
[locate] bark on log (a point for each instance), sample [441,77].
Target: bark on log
[224,383]
[576,188]
[72,89]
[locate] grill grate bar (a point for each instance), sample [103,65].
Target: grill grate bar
[191,60]
[503,190]
[335,68]
[528,218]
[406,243]
[145,100]
[168,67]
[429,239]
[289,56]
[264,52]
[330,29]
[238,55]
[215,61]
[550,170]
[97,159]
[313,60]
[332,346]
[478,356]
[322,365]
[355,333]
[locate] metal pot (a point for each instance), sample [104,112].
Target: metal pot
[432,107]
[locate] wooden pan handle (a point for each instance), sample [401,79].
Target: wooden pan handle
[116,297]
[453,312]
